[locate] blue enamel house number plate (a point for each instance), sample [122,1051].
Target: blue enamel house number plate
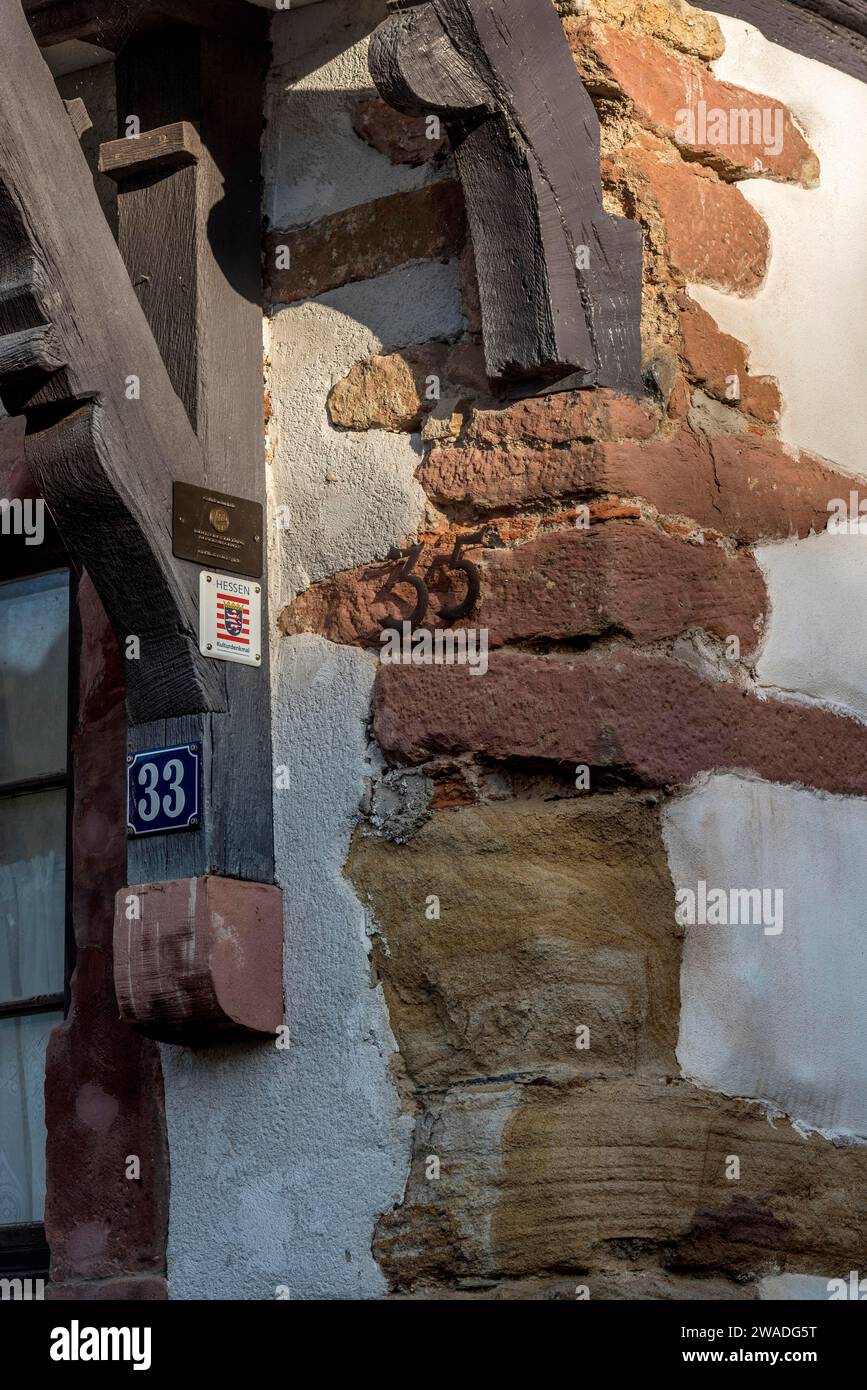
[163,790]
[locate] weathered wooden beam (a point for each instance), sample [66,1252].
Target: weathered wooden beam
[190,237]
[110,23]
[32,352]
[560,278]
[106,434]
[152,152]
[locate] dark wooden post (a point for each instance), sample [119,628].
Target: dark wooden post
[189,229]
[559,278]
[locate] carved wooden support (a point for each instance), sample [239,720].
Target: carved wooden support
[199,960]
[106,434]
[559,278]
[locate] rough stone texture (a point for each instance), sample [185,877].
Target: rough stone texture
[282,1160]
[714,417]
[367,240]
[624,577]
[638,1285]
[346,497]
[387,391]
[646,716]
[818,589]
[552,915]
[661,86]
[202,960]
[778,1018]
[391,390]
[605,1173]
[103,1087]
[708,230]
[563,417]
[714,357]
[547,907]
[403,139]
[679,24]
[400,804]
[145,1289]
[740,485]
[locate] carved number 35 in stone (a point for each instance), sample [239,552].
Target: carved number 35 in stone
[449,612]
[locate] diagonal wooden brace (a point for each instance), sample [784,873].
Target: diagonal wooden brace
[560,278]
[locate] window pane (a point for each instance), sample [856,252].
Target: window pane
[22,1116]
[32,893]
[34,622]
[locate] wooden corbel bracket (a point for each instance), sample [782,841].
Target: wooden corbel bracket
[199,960]
[106,433]
[559,278]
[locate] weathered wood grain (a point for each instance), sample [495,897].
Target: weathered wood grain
[78,114]
[103,448]
[526,141]
[153,151]
[190,238]
[110,23]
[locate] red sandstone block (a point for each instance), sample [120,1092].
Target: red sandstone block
[199,959]
[564,417]
[712,234]
[403,139]
[361,242]
[144,1289]
[636,714]
[737,132]
[493,478]
[624,576]
[742,485]
[715,357]
[745,486]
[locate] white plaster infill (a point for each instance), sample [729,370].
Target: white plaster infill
[807,324]
[778,1019]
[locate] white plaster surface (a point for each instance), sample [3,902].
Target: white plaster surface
[777,1018]
[807,324]
[314,163]
[818,595]
[783,1287]
[350,495]
[281,1161]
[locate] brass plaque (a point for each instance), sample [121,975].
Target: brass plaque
[216,530]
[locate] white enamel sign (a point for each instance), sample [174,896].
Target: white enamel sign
[230,618]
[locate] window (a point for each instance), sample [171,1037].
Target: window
[34,660]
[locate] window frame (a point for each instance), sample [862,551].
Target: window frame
[23,1245]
